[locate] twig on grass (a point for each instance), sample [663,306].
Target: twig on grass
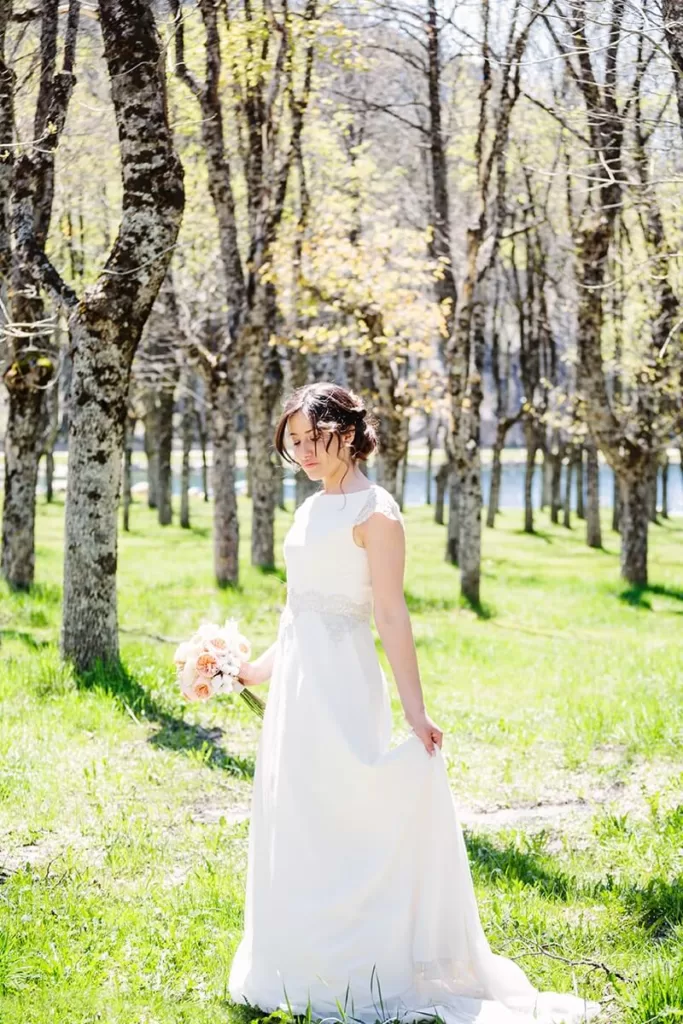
[150,636]
[595,964]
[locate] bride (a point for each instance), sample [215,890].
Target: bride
[359,898]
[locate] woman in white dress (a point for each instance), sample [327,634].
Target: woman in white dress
[359,898]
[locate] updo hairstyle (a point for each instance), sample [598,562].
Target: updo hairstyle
[334,408]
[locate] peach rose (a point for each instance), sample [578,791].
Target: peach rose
[202,690]
[207,665]
[180,656]
[199,689]
[244,648]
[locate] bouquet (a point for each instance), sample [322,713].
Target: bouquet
[209,663]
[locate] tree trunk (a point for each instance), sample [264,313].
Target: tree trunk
[303,487]
[392,426]
[469,543]
[468,462]
[593,528]
[531,441]
[653,473]
[187,434]
[496,474]
[634,491]
[107,323]
[152,424]
[430,455]
[158,366]
[225,518]
[546,480]
[49,435]
[27,191]
[567,518]
[673,27]
[49,476]
[403,471]
[25,380]
[665,486]
[203,438]
[616,503]
[580,503]
[556,485]
[261,465]
[129,433]
[247,469]
[165,477]
[440,240]
[453,535]
[441,478]
[99,388]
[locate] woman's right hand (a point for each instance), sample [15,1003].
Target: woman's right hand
[251,674]
[428,732]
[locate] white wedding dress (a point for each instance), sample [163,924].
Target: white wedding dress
[359,896]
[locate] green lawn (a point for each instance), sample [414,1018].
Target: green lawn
[123,811]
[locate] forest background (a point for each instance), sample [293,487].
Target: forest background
[470,213]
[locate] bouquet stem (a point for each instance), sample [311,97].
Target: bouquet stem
[255,703]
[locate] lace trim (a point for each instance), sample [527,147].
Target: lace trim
[445,969]
[339,613]
[379,500]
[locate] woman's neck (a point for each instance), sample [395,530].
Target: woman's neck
[346,479]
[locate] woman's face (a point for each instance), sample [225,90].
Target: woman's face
[317,463]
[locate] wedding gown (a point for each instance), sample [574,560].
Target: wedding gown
[359,896]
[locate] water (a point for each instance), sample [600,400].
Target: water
[511,491]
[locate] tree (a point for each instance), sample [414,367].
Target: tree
[501,372]
[465,351]
[271,76]
[31,181]
[630,442]
[363,286]
[157,370]
[107,321]
[673,31]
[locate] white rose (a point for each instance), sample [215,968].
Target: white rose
[180,656]
[187,675]
[243,648]
[208,631]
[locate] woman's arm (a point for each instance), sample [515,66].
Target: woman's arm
[384,541]
[252,673]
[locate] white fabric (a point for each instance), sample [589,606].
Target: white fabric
[359,894]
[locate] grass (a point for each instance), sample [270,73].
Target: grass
[123,811]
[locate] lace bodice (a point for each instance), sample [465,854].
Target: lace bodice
[327,572]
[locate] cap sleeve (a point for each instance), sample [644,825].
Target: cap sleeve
[379,500]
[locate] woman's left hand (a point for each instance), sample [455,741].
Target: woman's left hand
[428,732]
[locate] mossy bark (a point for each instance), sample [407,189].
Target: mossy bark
[107,323]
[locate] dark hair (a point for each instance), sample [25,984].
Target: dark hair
[334,408]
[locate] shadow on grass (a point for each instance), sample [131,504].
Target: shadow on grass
[200,531]
[637,595]
[507,862]
[174,733]
[537,535]
[657,906]
[420,603]
[482,610]
[44,593]
[273,570]
[243,1013]
[27,638]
